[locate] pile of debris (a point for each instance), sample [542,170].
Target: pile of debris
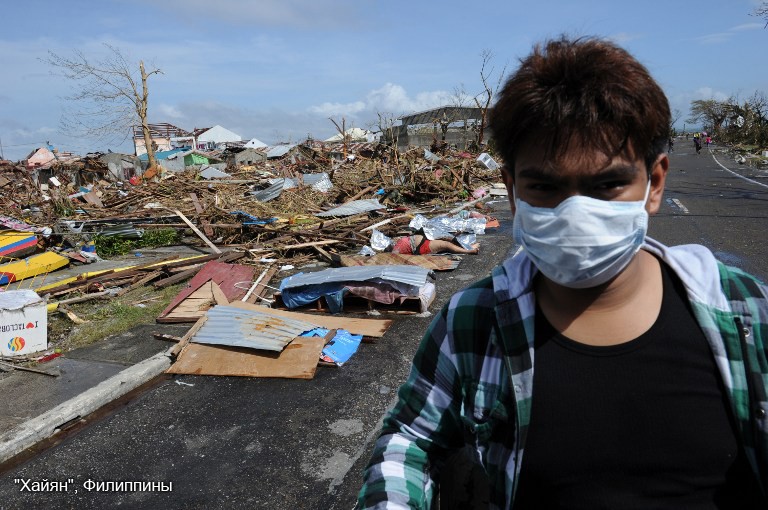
[306,209]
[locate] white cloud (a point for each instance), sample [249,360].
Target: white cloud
[167,110]
[394,98]
[288,13]
[715,38]
[624,37]
[748,26]
[709,93]
[390,98]
[720,37]
[327,109]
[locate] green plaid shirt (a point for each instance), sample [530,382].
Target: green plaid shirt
[471,380]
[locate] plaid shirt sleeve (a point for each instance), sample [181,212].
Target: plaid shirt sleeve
[423,425]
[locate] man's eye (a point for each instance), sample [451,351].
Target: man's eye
[610,185]
[541,186]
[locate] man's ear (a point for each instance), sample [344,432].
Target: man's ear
[508,178]
[658,179]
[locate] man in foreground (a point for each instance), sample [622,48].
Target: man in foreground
[598,368]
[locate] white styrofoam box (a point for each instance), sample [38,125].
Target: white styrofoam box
[23,323]
[488,161]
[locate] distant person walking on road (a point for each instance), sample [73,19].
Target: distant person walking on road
[697,143]
[709,141]
[671,144]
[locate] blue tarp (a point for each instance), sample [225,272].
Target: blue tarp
[340,348]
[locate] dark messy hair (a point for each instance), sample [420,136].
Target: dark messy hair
[584,94]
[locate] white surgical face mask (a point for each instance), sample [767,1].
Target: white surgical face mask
[583,242]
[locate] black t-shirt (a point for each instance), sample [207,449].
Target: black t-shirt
[644,424]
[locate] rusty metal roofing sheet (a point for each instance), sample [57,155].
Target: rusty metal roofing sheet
[235,327]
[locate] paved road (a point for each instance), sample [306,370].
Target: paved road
[725,208]
[247,443]
[284,444]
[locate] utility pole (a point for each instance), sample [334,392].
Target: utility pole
[1,149]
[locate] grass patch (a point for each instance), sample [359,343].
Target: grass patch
[111,246]
[106,317]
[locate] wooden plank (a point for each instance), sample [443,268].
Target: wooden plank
[195,305]
[140,283]
[359,194]
[178,277]
[433,263]
[262,286]
[196,231]
[199,208]
[367,327]
[297,361]
[227,276]
[295,246]
[174,353]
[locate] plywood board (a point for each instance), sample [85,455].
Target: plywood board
[297,361]
[227,276]
[366,327]
[196,304]
[434,263]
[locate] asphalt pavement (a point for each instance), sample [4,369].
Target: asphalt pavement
[226,442]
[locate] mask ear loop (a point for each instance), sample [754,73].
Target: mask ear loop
[647,191]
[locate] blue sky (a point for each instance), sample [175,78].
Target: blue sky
[277,69]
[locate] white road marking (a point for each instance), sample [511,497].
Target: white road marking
[680,205]
[737,175]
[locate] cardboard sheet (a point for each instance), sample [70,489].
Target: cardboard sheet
[297,361]
[434,263]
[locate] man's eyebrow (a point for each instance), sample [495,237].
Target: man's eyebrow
[539,173]
[612,172]
[618,171]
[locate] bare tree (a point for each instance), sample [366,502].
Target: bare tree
[762,11]
[483,99]
[343,132]
[111,98]
[676,114]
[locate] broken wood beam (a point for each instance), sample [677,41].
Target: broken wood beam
[258,292]
[359,194]
[304,233]
[26,369]
[140,283]
[196,231]
[199,208]
[293,246]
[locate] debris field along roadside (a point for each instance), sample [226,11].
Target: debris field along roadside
[288,251]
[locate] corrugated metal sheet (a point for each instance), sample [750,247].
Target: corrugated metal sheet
[355,207]
[451,113]
[320,182]
[353,148]
[409,275]
[270,193]
[279,150]
[235,327]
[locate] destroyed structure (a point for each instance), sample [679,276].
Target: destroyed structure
[263,215]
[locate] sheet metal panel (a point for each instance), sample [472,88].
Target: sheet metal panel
[409,275]
[227,325]
[355,207]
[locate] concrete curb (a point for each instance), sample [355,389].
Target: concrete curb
[46,425]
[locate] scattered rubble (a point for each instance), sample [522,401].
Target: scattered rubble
[270,217]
